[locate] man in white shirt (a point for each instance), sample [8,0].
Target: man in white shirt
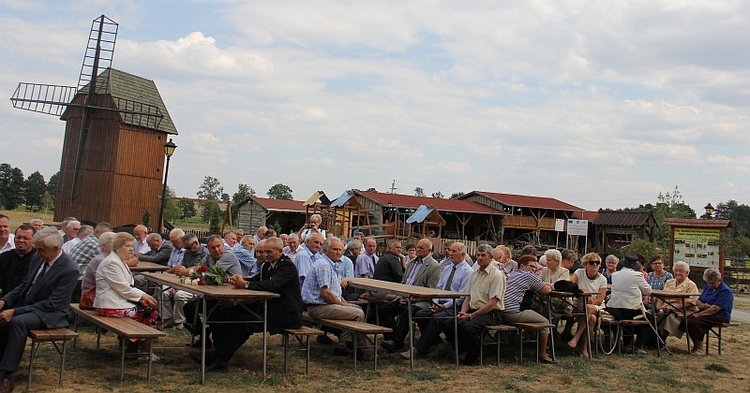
[140,232]
[6,238]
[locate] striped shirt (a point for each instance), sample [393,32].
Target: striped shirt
[519,282]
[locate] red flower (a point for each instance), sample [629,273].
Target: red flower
[200,281]
[202,269]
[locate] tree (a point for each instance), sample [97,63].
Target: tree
[419,191]
[455,195]
[644,247]
[11,186]
[210,189]
[668,205]
[171,207]
[243,192]
[187,209]
[738,214]
[280,191]
[52,184]
[35,188]
[438,195]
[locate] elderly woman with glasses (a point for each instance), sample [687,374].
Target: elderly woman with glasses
[588,279]
[672,308]
[714,308]
[658,275]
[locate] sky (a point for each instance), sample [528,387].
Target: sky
[598,104]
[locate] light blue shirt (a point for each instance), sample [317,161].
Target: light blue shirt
[366,264]
[248,263]
[177,257]
[304,261]
[459,284]
[345,267]
[322,274]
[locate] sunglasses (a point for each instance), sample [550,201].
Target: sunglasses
[595,262]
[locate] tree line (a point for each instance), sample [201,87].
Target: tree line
[33,191]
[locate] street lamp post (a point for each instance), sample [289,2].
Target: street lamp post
[169,148]
[709,211]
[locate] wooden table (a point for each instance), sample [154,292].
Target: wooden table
[665,296]
[566,296]
[411,293]
[144,266]
[217,292]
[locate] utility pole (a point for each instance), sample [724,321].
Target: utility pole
[393,186]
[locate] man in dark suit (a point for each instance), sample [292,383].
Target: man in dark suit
[422,271]
[41,301]
[160,252]
[277,274]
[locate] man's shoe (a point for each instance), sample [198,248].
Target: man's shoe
[324,340]
[197,343]
[211,357]
[391,346]
[471,361]
[218,366]
[6,386]
[407,354]
[178,326]
[195,329]
[440,350]
[338,351]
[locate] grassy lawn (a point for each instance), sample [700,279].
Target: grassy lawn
[91,370]
[20,216]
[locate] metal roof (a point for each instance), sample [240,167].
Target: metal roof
[441,204]
[625,219]
[529,201]
[420,215]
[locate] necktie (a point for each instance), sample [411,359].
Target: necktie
[373,262]
[39,276]
[448,283]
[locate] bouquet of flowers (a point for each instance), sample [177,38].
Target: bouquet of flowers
[195,273]
[215,275]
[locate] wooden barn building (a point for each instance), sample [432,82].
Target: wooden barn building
[121,161]
[254,212]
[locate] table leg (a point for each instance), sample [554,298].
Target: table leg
[411,333]
[552,330]
[265,330]
[588,330]
[455,329]
[685,318]
[204,313]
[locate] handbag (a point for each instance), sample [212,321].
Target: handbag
[87,299]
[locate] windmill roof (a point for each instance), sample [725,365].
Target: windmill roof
[133,90]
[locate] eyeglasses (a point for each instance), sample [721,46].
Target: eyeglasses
[595,263]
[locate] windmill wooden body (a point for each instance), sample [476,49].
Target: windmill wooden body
[116,125]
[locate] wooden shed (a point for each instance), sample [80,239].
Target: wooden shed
[618,228]
[122,159]
[255,212]
[347,214]
[429,218]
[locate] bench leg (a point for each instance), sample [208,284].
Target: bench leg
[62,362]
[719,339]
[34,347]
[355,351]
[307,354]
[122,357]
[374,352]
[285,342]
[150,359]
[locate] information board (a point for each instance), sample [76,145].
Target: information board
[698,247]
[578,227]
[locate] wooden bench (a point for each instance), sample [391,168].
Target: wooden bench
[535,327]
[716,331]
[355,327]
[303,331]
[496,330]
[54,336]
[125,327]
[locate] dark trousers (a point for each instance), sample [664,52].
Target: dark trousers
[229,337]
[698,327]
[388,313]
[468,333]
[431,329]
[13,339]
[645,335]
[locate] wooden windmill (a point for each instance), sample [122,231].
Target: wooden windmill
[116,126]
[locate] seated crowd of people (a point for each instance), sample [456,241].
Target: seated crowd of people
[43,270]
